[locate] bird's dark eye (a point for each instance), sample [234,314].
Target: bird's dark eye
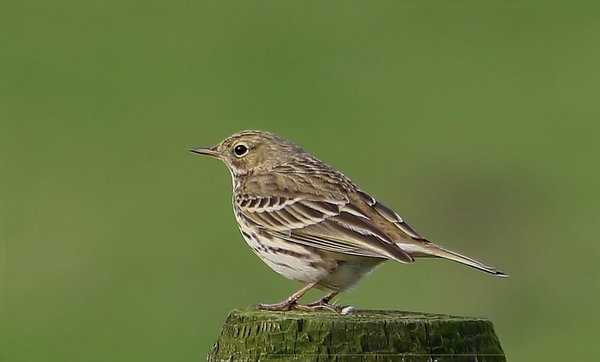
[240,150]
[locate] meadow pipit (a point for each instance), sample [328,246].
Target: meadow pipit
[312,224]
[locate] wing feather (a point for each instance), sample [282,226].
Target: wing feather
[390,216]
[332,225]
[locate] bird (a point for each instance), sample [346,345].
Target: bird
[312,224]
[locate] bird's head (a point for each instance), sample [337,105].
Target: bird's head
[251,151]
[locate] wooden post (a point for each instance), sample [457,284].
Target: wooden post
[365,335]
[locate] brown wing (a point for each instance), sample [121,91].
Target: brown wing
[332,225]
[388,220]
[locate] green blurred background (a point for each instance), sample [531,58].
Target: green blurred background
[477,121]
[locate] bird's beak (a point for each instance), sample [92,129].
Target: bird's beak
[209,151]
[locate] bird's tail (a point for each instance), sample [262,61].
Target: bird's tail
[428,249]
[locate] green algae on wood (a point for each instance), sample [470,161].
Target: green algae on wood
[366,335]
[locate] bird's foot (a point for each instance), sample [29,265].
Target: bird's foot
[324,304]
[285,305]
[313,307]
[321,304]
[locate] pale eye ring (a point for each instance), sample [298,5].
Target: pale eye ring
[240,150]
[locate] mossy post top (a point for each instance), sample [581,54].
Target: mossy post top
[365,335]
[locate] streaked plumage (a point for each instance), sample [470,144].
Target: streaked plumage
[312,224]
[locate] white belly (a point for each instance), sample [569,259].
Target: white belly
[293,261]
[337,272]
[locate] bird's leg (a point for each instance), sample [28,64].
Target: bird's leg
[323,303]
[289,303]
[325,300]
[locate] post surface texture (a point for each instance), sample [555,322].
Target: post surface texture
[367,335]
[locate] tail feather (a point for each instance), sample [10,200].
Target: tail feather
[432,250]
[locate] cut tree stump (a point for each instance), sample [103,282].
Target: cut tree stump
[365,335]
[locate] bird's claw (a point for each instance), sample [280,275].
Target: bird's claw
[312,307]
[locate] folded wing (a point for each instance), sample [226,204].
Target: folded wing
[331,225]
